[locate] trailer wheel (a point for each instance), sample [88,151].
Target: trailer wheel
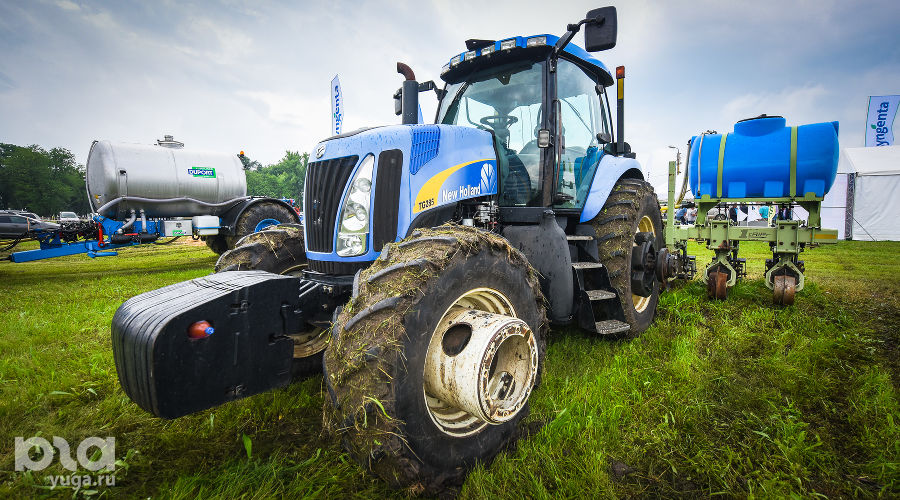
[260,215]
[403,403]
[280,250]
[218,243]
[627,226]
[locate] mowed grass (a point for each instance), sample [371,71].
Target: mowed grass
[735,398]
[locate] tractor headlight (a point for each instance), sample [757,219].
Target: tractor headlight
[355,216]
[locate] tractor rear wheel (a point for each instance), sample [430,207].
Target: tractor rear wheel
[258,217]
[626,227]
[280,250]
[431,363]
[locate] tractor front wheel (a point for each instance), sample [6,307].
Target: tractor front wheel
[431,363]
[217,243]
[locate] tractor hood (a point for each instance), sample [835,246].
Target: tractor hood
[417,169]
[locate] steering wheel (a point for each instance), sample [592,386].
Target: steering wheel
[501,121]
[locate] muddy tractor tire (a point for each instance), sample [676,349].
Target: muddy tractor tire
[218,243]
[280,250]
[629,222]
[402,404]
[258,217]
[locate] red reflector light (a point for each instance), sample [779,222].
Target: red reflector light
[620,72]
[200,330]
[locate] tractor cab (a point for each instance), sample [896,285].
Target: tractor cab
[507,87]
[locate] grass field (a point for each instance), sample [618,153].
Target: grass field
[736,398]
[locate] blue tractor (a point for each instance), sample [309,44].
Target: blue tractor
[432,260]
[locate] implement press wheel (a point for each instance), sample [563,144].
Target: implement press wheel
[785,287]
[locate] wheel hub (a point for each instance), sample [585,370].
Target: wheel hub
[643,264]
[479,369]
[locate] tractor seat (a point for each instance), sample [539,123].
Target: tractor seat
[516,184]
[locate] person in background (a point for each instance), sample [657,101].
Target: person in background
[732,214]
[764,213]
[784,212]
[691,215]
[679,214]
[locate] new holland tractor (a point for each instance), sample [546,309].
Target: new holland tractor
[432,260]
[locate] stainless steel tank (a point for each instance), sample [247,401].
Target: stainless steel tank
[164,180]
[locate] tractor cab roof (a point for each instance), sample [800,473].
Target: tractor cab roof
[486,53]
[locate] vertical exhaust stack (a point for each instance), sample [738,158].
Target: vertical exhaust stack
[409,95]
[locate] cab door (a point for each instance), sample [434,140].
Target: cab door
[580,117]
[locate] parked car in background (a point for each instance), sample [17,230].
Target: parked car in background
[14,225]
[66,217]
[30,215]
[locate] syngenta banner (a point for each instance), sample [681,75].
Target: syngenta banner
[880,125]
[337,106]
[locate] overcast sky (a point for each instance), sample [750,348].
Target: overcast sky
[254,75]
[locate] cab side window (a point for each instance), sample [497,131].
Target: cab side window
[581,118]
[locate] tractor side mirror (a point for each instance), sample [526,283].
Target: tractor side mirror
[600,32]
[604,138]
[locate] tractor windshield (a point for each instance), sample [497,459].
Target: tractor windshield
[506,101]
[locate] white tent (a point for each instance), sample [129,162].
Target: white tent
[864,202]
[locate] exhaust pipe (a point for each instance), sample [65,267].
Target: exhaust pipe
[409,96]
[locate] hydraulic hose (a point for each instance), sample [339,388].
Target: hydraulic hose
[128,223]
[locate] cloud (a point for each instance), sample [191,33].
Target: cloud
[254,75]
[804,103]
[67,5]
[285,109]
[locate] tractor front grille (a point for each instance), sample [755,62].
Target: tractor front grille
[387,198]
[325,181]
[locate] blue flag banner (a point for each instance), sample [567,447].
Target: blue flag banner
[337,106]
[421,120]
[880,123]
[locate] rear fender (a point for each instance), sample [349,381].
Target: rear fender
[611,169]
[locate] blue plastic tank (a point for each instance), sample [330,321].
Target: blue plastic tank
[756,160]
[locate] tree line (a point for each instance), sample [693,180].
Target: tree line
[283,179]
[47,182]
[41,181]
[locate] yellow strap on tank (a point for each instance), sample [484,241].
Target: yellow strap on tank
[721,163]
[793,161]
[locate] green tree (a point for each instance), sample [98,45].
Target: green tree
[44,182]
[248,163]
[283,179]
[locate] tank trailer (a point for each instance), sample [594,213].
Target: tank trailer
[140,193]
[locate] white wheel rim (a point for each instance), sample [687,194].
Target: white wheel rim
[450,418]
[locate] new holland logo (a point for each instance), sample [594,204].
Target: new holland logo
[202,172]
[320,151]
